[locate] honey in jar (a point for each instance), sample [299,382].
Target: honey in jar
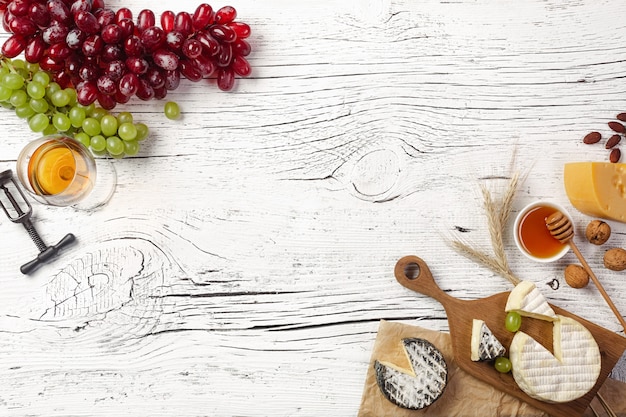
[534,236]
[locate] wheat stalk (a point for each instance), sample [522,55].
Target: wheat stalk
[497,213]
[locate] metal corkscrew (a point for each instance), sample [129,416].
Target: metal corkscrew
[21,212]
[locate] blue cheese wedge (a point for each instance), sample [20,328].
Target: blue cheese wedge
[420,386]
[528,301]
[564,376]
[485,346]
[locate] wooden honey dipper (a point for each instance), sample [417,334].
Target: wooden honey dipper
[561,229]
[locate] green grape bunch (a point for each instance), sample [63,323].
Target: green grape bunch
[50,109]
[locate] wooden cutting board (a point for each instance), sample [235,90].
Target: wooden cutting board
[413,273]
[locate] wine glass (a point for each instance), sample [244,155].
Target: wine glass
[60,171]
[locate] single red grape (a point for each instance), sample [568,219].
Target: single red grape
[223,33]
[87,22]
[128,84]
[241,66]
[225,15]
[13,46]
[202,17]
[123,13]
[167,21]
[225,79]
[35,49]
[183,23]
[165,59]
[145,19]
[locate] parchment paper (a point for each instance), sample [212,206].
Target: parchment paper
[464,395]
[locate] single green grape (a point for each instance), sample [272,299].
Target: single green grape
[60,98]
[88,109]
[503,365]
[13,81]
[127,131]
[5,93]
[172,111]
[77,114]
[52,88]
[108,123]
[72,93]
[142,131]
[83,138]
[18,63]
[115,146]
[35,89]
[24,111]
[91,126]
[124,117]
[39,105]
[3,71]
[61,122]
[131,147]
[38,122]
[18,98]
[41,77]
[50,130]
[98,143]
[32,67]
[513,321]
[98,113]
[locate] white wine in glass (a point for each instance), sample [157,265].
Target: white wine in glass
[60,171]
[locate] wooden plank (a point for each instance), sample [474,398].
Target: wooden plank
[247,255]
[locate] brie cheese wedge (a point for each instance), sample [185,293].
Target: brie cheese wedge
[484,345]
[528,301]
[565,376]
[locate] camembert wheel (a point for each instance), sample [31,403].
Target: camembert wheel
[564,376]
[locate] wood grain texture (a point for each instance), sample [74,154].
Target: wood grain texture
[244,263]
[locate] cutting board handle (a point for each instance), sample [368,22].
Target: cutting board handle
[413,273]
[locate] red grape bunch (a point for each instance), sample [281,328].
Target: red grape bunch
[109,57]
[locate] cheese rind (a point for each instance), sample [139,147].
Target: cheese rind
[565,376]
[597,189]
[528,301]
[420,386]
[484,345]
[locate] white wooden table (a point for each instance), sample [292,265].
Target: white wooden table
[246,258]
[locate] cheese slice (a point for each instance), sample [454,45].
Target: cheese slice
[528,301]
[420,386]
[597,189]
[484,345]
[565,376]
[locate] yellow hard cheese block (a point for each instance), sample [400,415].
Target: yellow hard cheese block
[597,188]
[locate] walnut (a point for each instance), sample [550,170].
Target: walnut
[615,259]
[598,232]
[576,276]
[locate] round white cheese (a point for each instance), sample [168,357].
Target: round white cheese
[564,376]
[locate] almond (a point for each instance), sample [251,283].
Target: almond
[617,127]
[613,140]
[622,117]
[615,155]
[593,137]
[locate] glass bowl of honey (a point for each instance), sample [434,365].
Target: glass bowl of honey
[532,236]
